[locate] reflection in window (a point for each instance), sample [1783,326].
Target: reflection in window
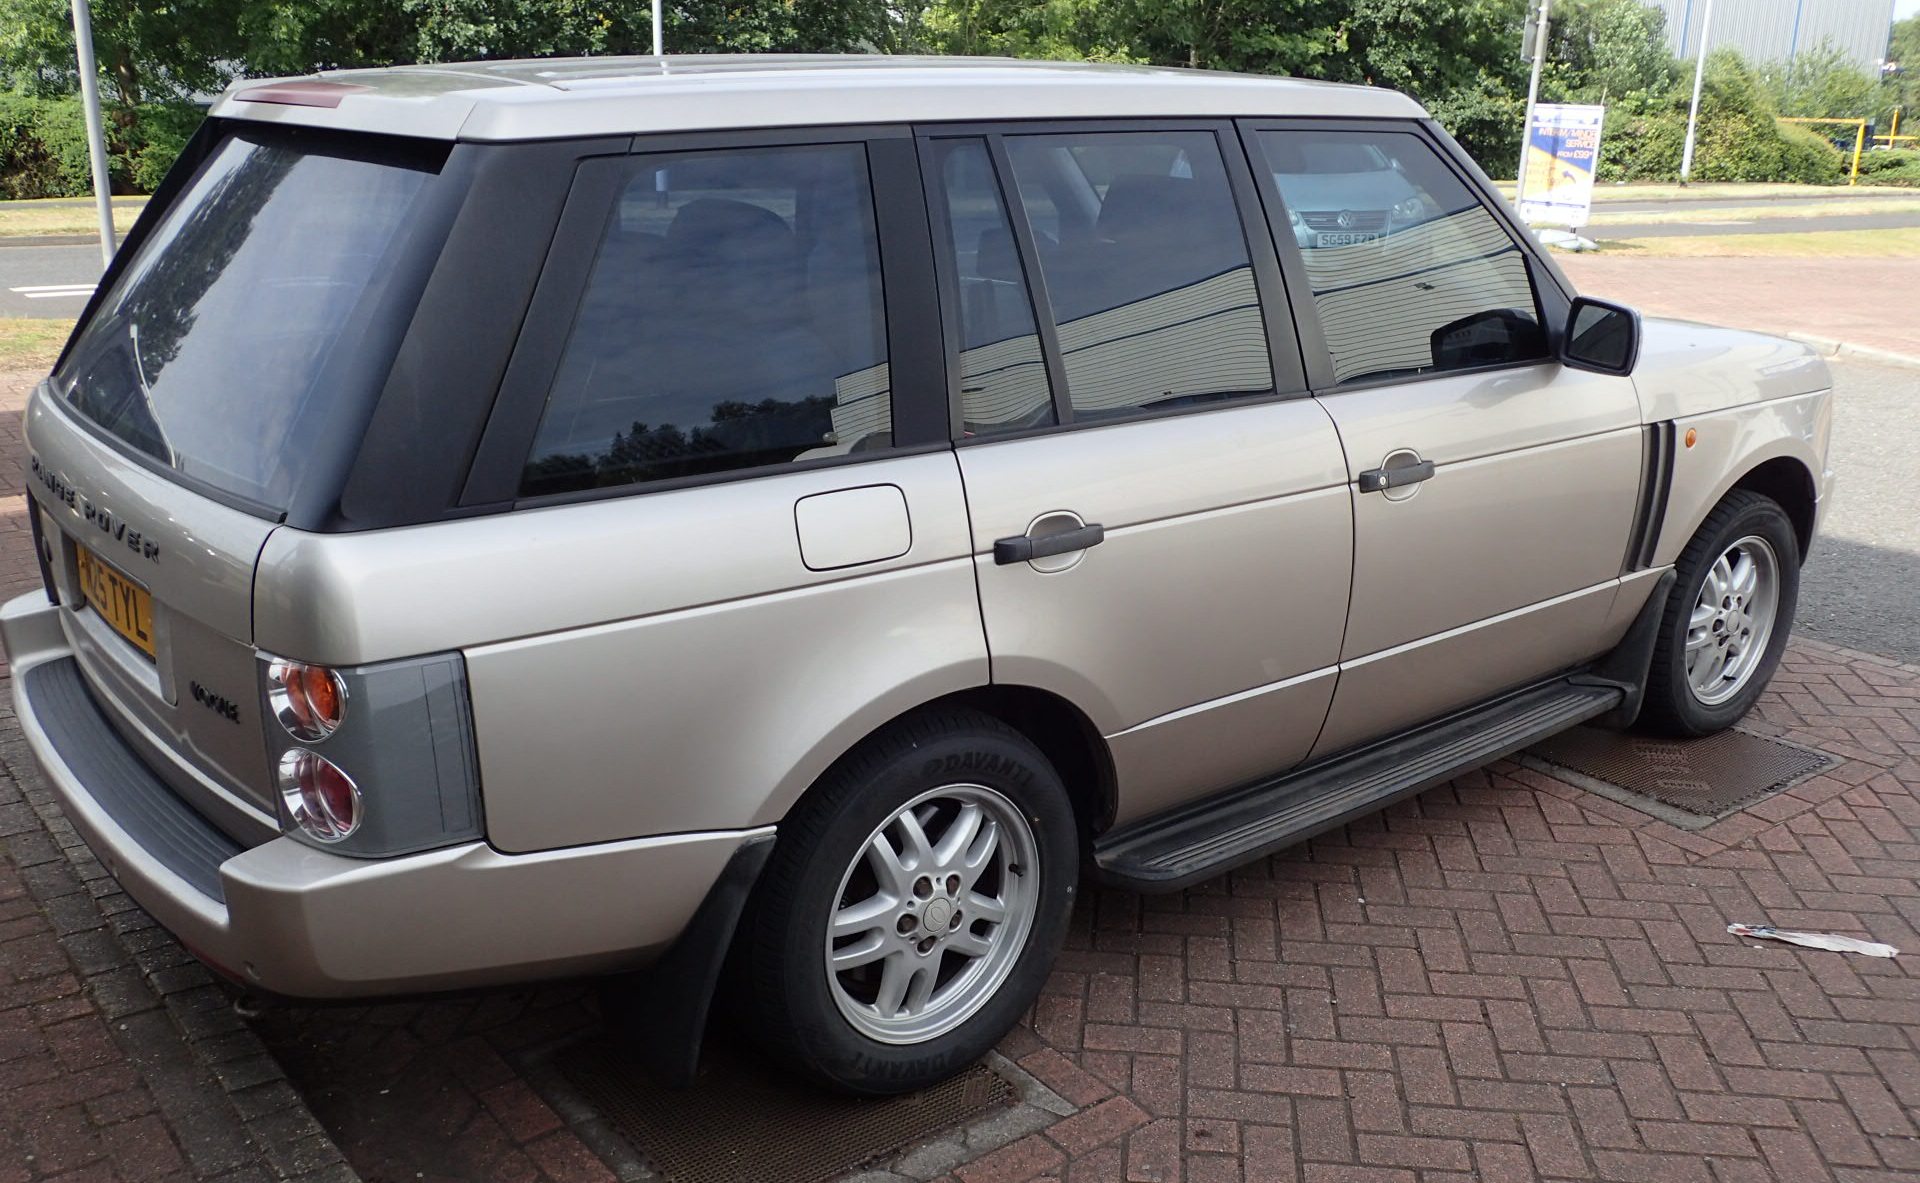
[1146,269]
[215,351]
[1410,272]
[733,319]
[1003,375]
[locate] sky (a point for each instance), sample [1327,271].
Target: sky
[1902,9]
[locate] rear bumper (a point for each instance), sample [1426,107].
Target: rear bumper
[294,920]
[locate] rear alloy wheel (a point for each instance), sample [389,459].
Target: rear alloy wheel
[933,914]
[912,906]
[1727,617]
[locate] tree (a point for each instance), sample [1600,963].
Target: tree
[1609,51]
[1821,83]
[1902,79]
[146,51]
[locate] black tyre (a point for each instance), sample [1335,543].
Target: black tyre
[1727,618]
[913,905]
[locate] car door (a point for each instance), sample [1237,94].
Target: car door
[1161,529]
[1493,489]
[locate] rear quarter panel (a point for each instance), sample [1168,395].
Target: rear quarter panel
[651,664]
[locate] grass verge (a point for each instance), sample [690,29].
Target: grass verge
[1902,243]
[19,219]
[29,342]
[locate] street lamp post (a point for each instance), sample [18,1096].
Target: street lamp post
[1693,112]
[96,132]
[1533,98]
[656,29]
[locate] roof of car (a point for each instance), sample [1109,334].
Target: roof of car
[545,98]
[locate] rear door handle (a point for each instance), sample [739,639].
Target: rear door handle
[1377,480]
[1024,548]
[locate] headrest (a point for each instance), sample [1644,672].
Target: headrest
[1143,202]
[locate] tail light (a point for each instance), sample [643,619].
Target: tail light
[398,774]
[319,798]
[309,700]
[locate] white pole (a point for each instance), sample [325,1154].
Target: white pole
[96,134]
[1693,112]
[656,29]
[1533,97]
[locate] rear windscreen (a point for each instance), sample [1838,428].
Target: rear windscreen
[224,349]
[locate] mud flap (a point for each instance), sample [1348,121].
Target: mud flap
[1632,659]
[660,1013]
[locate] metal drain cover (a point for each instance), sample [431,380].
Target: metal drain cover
[1689,782]
[744,1121]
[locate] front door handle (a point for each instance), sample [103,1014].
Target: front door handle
[1024,548]
[1379,480]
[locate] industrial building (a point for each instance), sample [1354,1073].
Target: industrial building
[1779,30]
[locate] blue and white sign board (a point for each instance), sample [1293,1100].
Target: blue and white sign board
[1563,153]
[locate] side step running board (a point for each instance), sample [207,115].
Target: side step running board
[1187,846]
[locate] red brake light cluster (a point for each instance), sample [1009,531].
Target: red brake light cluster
[320,798]
[309,700]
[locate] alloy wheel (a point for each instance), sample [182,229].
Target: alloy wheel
[932,914]
[1732,621]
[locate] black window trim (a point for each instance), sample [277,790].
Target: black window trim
[1550,297]
[1286,354]
[915,359]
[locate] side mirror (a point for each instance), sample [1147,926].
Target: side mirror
[1601,337]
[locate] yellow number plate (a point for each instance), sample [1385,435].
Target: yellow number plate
[120,601]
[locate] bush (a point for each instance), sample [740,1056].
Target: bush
[43,146]
[1738,137]
[156,141]
[1891,168]
[1728,147]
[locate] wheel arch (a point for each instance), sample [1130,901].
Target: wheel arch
[1788,483]
[1062,731]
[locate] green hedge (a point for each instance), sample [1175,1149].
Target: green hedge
[43,146]
[1729,146]
[1891,168]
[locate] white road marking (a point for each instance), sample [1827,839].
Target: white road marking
[53,291]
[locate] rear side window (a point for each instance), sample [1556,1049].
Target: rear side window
[224,347]
[1146,269]
[1003,373]
[1410,273]
[733,319]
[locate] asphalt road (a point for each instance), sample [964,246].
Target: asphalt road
[57,279]
[1861,585]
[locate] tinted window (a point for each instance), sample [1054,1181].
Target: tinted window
[1146,268]
[1410,273]
[1003,375]
[213,352]
[733,319]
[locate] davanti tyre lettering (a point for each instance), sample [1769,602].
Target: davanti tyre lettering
[986,762]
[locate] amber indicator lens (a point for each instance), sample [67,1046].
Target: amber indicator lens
[310,701]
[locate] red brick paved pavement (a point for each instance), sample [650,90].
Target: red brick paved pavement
[1857,301]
